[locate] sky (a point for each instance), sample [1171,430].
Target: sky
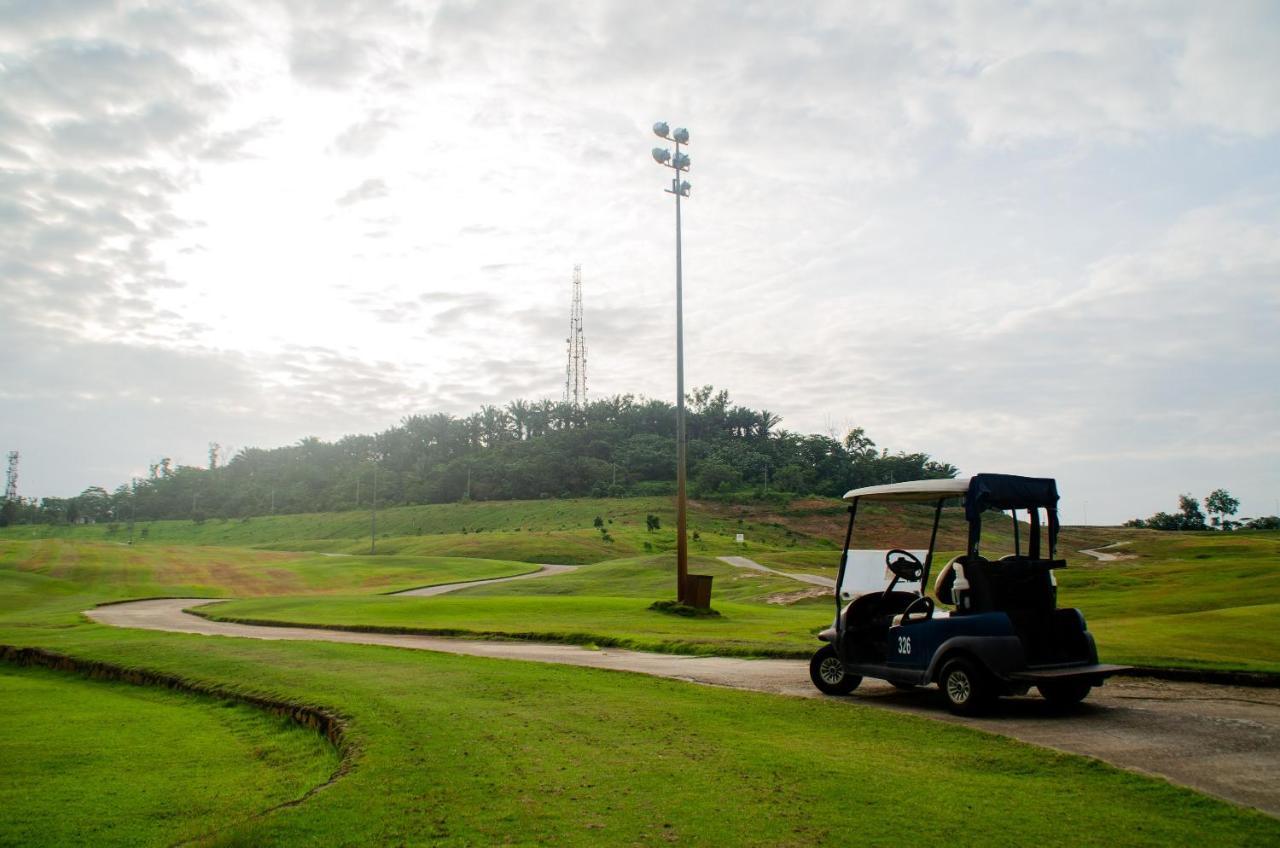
[1024,237]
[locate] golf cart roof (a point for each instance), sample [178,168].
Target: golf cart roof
[981,492]
[915,491]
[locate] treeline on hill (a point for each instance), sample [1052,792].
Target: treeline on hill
[618,446]
[1220,505]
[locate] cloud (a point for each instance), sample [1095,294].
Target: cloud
[371,189]
[328,57]
[1002,232]
[363,137]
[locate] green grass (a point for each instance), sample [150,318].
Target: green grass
[142,570]
[549,527]
[605,604]
[1193,600]
[97,763]
[466,751]
[739,630]
[1137,608]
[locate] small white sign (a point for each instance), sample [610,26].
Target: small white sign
[740,539]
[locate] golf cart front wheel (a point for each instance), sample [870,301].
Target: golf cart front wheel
[966,686]
[1065,693]
[828,673]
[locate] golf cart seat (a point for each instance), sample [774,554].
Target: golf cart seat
[965,583]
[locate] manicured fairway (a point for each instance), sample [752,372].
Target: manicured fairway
[740,630]
[85,762]
[1192,601]
[143,570]
[465,751]
[1199,600]
[605,604]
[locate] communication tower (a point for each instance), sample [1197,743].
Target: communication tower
[575,371]
[11,479]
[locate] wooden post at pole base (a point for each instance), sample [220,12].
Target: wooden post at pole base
[698,591]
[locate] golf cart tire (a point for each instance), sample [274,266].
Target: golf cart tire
[1065,693]
[828,673]
[966,686]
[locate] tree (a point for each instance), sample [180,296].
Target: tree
[1192,517]
[791,479]
[1220,504]
[716,476]
[1188,517]
[858,443]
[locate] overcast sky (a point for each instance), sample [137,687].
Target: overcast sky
[1037,238]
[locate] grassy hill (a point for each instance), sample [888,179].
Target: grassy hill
[1177,599]
[563,531]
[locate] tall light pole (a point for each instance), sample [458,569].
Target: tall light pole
[678,163]
[373,514]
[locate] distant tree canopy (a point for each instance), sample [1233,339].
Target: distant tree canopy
[613,447]
[1219,504]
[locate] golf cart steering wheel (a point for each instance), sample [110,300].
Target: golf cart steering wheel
[906,567]
[922,606]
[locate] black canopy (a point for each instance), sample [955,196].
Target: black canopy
[1008,491]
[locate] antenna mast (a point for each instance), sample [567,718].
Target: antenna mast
[9,509]
[11,479]
[575,372]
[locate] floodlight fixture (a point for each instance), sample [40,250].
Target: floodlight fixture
[661,155]
[681,161]
[684,188]
[681,135]
[661,130]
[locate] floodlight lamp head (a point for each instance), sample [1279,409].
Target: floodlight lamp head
[681,161]
[661,130]
[661,155]
[681,135]
[684,188]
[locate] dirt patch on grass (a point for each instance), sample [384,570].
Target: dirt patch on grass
[789,598]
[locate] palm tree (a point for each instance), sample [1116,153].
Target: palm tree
[765,422]
[520,412]
[495,425]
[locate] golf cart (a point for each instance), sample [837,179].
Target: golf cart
[1004,633]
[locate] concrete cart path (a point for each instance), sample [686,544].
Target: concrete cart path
[445,588]
[813,579]
[1101,555]
[1221,740]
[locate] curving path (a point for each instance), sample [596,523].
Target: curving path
[1221,740]
[444,588]
[1101,555]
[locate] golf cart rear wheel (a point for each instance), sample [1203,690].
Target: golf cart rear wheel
[1065,693]
[828,673]
[966,686]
